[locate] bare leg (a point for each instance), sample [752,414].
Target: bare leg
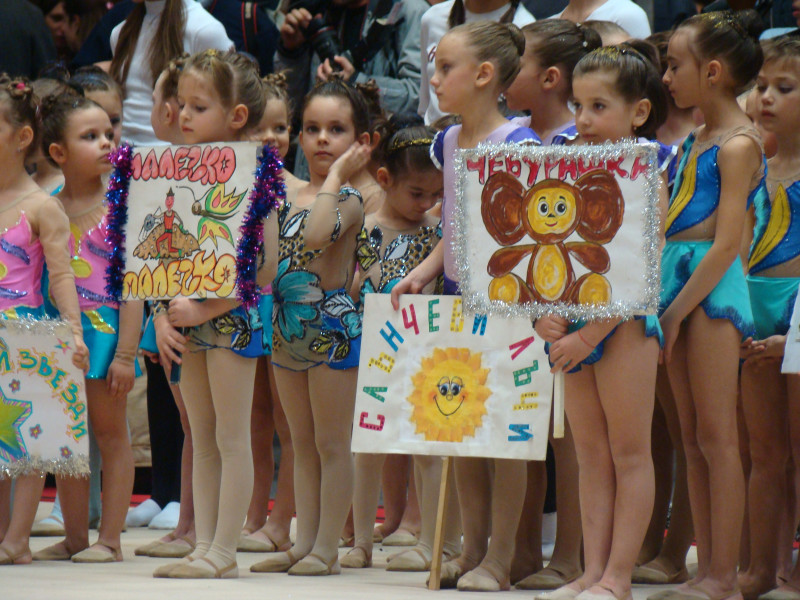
[765,409]
[365,504]
[566,558]
[528,546]
[411,521]
[5,506]
[280,518]
[394,482]
[27,493]
[663,459]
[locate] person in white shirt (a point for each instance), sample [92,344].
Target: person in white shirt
[153,34]
[439,19]
[624,13]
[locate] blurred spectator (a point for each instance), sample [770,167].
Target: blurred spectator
[246,24]
[26,44]
[70,22]
[628,15]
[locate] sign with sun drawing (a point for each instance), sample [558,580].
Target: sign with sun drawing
[184,210]
[43,416]
[434,380]
[567,230]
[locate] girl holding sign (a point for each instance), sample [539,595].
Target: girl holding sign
[221,99]
[770,399]
[35,229]
[610,385]
[704,293]
[317,326]
[475,63]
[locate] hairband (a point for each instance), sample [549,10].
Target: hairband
[408,143]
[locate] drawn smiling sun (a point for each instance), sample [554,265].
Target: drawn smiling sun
[449,396]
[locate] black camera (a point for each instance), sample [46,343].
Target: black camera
[324,39]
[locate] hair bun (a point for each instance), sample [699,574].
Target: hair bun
[750,21]
[277,79]
[646,49]
[19,89]
[517,37]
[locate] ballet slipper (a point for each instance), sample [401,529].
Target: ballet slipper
[549,578]
[400,537]
[475,581]
[248,543]
[98,553]
[655,573]
[317,567]
[413,560]
[57,551]
[23,557]
[357,558]
[347,542]
[195,571]
[50,526]
[565,592]
[605,594]
[177,548]
[377,535]
[145,549]
[165,570]
[279,562]
[698,593]
[451,573]
[784,592]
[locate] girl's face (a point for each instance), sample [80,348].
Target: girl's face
[328,131]
[601,113]
[778,96]
[525,91]
[11,145]
[411,196]
[112,104]
[203,117]
[683,73]
[274,126]
[88,138]
[456,73]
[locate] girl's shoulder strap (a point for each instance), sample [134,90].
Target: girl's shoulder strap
[437,147]
[523,135]
[748,131]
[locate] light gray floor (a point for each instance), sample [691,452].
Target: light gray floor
[132,580]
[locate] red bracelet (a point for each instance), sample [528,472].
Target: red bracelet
[583,339]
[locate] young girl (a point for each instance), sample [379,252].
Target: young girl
[543,87]
[704,294]
[770,399]
[262,534]
[100,87]
[33,223]
[317,326]
[413,185]
[78,137]
[609,389]
[475,63]
[222,99]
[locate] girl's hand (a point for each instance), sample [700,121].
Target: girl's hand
[670,329]
[151,356]
[185,312]
[80,357]
[169,341]
[771,348]
[750,348]
[568,351]
[120,378]
[410,284]
[352,161]
[551,328]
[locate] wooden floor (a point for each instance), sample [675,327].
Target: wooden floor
[132,580]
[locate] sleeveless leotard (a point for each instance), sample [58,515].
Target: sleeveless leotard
[21,267]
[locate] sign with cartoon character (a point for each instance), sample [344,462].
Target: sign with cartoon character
[185,207]
[43,413]
[567,230]
[434,380]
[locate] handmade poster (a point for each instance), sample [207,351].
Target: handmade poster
[573,230]
[43,415]
[791,354]
[434,380]
[181,213]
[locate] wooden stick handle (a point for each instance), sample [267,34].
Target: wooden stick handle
[558,405]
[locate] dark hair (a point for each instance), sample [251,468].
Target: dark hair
[55,111]
[458,13]
[634,62]
[405,145]
[446,121]
[731,37]
[169,86]
[276,87]
[606,28]
[336,88]
[94,79]
[560,43]
[781,48]
[19,104]
[235,78]
[167,41]
[502,44]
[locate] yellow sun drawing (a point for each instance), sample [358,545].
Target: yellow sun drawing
[449,395]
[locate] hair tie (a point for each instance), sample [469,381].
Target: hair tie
[395,146]
[20,86]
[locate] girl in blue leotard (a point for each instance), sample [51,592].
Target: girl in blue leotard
[704,293]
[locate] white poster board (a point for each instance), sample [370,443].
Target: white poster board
[791,355]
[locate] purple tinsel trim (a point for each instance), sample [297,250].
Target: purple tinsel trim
[266,195]
[117,199]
